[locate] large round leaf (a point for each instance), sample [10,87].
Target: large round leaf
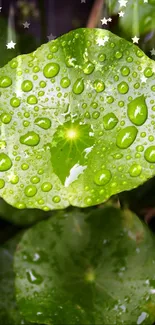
[87,268]
[9,313]
[77,121]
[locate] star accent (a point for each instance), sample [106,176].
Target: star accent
[109,19]
[135,39]
[51,37]
[104,21]
[26,24]
[121,14]
[122,3]
[10,45]
[0,9]
[102,41]
[152,51]
[143,79]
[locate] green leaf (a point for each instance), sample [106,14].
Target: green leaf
[138,19]
[87,268]
[9,313]
[77,121]
[21,217]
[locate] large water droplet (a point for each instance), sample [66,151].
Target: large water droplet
[33,277]
[32,100]
[126,137]
[123,87]
[30,139]
[46,187]
[135,170]
[65,82]
[5,162]
[6,118]
[44,122]
[15,102]
[102,177]
[149,154]
[78,86]
[137,110]
[30,190]
[51,70]
[88,68]
[110,121]
[5,82]
[27,85]
[99,86]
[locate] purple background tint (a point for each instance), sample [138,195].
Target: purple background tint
[56,16]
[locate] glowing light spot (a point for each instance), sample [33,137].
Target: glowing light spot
[72,134]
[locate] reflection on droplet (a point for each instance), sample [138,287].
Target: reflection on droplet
[78,86]
[126,137]
[135,170]
[110,121]
[5,162]
[137,110]
[30,139]
[149,154]
[33,277]
[51,70]
[102,177]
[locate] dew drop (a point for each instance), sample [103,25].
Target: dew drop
[5,162]
[88,68]
[30,139]
[46,187]
[44,122]
[99,86]
[137,111]
[65,82]
[51,70]
[148,72]
[35,179]
[30,190]
[33,277]
[5,82]
[6,118]
[125,71]
[126,137]
[27,85]
[2,183]
[32,100]
[78,86]
[135,170]
[56,199]
[123,87]
[110,121]
[102,177]
[149,154]
[15,102]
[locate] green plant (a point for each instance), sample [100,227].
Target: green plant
[77,125]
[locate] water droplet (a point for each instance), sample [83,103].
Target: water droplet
[42,84]
[5,82]
[5,162]
[95,115]
[33,277]
[14,179]
[126,137]
[110,121]
[46,187]
[118,55]
[78,86]
[56,199]
[32,100]
[30,139]
[15,102]
[30,190]
[149,154]
[101,57]
[2,183]
[99,86]
[6,118]
[65,82]
[53,48]
[137,110]
[102,177]
[51,70]
[24,166]
[148,72]
[135,170]
[35,179]
[125,71]
[123,87]
[27,85]
[13,64]
[88,68]
[44,122]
